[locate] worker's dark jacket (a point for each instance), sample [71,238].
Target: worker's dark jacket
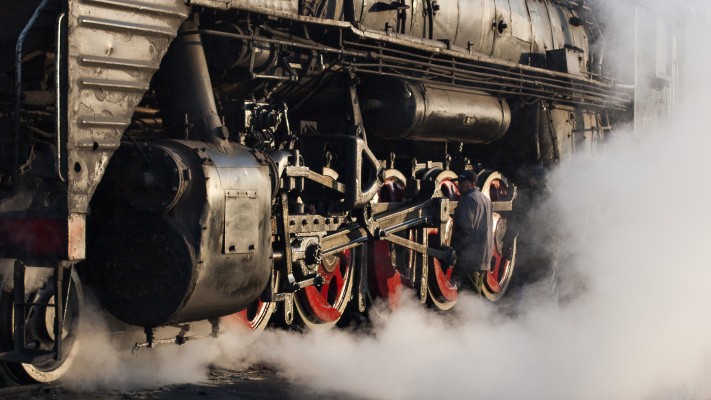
[473,235]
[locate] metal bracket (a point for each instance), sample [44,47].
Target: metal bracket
[424,269]
[287,298]
[363,277]
[361,172]
[305,172]
[505,206]
[289,308]
[179,339]
[311,280]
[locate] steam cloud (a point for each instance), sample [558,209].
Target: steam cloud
[110,362]
[634,224]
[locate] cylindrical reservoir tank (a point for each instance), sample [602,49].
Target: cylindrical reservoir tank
[396,109]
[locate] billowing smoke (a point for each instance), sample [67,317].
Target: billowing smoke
[633,225]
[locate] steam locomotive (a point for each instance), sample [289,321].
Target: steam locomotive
[261,161]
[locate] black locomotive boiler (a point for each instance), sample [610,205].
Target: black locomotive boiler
[254,160]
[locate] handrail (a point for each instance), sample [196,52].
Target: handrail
[18,89]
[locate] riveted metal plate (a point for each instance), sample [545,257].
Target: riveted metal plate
[241,216]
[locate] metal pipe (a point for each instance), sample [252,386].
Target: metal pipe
[459,73]
[542,81]
[19,305]
[58,309]
[18,88]
[58,87]
[577,100]
[542,75]
[188,90]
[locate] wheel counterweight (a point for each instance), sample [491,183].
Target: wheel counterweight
[390,267]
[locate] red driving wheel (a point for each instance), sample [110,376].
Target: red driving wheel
[499,265]
[390,266]
[442,290]
[255,317]
[496,187]
[322,307]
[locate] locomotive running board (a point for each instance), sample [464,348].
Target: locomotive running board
[373,51]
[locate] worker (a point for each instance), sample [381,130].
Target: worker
[473,234]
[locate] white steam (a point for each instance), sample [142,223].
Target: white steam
[109,361]
[634,227]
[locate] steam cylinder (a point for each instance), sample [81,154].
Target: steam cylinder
[396,109]
[183,232]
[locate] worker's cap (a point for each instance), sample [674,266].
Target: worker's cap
[466,176]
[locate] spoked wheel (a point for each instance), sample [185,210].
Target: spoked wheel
[322,307]
[255,317]
[442,291]
[496,187]
[39,333]
[390,267]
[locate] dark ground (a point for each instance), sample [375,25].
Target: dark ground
[253,383]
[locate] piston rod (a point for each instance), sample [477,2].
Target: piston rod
[449,255]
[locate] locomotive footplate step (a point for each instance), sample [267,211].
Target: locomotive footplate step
[181,338]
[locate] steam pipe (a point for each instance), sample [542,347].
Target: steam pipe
[188,94]
[18,88]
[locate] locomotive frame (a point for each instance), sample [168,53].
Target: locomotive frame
[261,160]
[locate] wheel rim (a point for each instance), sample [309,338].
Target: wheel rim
[39,320]
[501,269]
[443,293]
[255,317]
[322,307]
